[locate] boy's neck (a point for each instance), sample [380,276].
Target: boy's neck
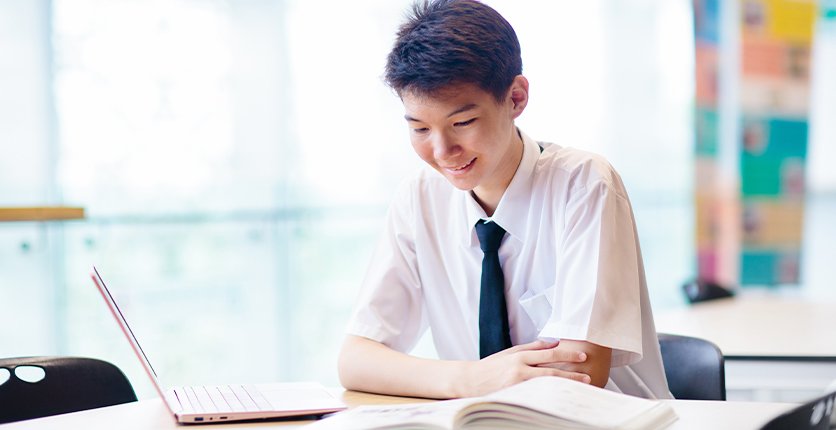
[489,196]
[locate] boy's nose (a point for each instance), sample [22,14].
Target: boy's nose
[444,147]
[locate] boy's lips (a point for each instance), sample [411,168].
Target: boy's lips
[460,168]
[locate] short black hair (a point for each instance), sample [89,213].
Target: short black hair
[449,42]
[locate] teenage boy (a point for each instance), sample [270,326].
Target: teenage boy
[566,285]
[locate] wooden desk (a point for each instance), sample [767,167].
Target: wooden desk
[773,343]
[152,414]
[42,213]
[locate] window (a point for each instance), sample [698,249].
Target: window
[236,160]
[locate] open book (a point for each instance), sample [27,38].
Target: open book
[539,403]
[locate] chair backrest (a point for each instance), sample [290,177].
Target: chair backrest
[815,414]
[695,367]
[68,384]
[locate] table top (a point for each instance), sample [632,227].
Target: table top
[151,413]
[759,326]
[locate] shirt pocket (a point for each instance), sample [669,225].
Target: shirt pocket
[538,305]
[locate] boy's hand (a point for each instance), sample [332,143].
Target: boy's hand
[517,364]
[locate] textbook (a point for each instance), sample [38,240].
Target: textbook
[539,403]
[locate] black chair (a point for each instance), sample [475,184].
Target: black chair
[695,367]
[816,414]
[68,384]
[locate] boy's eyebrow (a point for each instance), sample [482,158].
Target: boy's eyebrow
[464,108]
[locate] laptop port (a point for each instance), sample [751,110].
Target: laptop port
[198,418]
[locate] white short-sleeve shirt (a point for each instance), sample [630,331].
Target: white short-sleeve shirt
[571,260]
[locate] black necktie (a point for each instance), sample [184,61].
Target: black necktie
[494,334]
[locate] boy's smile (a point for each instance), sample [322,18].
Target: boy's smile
[460,170]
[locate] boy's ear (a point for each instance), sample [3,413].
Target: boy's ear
[519,95]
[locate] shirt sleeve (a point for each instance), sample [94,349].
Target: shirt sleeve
[390,308]
[597,292]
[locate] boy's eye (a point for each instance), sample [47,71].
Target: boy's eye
[420,130]
[464,123]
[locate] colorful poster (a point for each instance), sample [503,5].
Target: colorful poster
[749,222]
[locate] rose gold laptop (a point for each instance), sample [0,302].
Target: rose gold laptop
[221,403]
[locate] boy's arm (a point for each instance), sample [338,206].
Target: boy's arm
[367,365]
[597,364]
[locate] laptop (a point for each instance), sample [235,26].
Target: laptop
[234,402]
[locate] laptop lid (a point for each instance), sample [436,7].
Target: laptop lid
[129,334]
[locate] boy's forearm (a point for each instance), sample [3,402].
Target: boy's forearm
[366,365]
[597,366]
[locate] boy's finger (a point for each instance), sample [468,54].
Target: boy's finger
[554,355]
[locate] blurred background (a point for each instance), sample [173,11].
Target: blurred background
[236,158]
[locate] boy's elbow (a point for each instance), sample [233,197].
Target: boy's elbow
[344,367]
[348,366]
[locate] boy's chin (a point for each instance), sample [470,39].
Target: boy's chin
[464,182]
[461,185]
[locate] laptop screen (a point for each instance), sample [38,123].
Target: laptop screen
[126,329]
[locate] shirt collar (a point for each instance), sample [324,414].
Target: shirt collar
[512,212]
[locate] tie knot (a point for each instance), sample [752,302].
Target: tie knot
[490,235]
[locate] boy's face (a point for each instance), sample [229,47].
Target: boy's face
[467,136]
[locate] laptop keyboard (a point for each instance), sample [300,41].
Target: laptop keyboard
[221,399]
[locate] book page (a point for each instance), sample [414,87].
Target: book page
[538,403]
[573,401]
[435,415]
